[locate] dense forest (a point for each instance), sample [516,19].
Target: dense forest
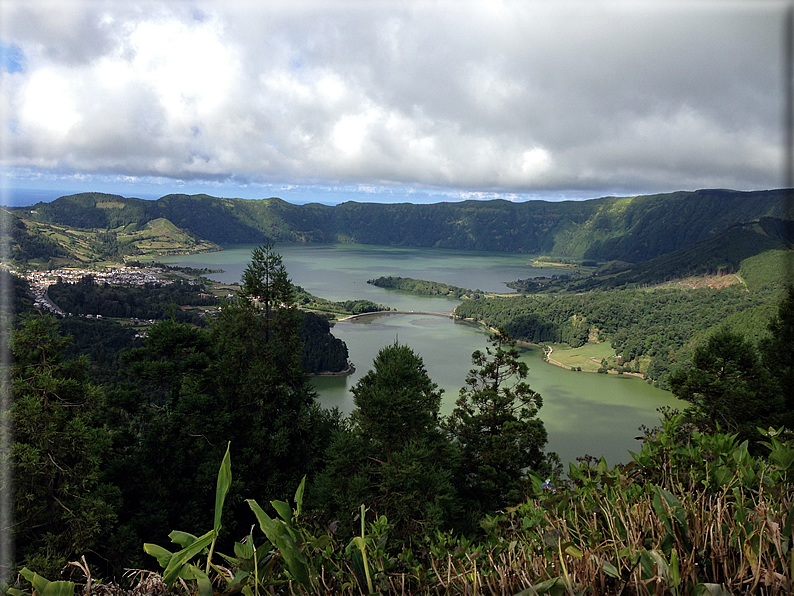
[632,229]
[650,330]
[149,301]
[203,426]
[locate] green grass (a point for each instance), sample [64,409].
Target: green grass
[588,356]
[157,237]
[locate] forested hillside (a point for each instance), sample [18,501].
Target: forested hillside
[201,434]
[632,229]
[721,254]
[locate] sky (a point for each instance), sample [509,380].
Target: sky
[411,101]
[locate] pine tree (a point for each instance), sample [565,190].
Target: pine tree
[496,428]
[777,354]
[393,456]
[728,387]
[62,507]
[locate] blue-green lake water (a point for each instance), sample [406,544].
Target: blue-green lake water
[584,413]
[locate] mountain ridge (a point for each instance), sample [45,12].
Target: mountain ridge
[632,229]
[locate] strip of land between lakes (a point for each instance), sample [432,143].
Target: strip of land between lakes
[448,315]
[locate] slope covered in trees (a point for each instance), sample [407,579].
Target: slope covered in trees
[147,443]
[455,504]
[650,329]
[719,255]
[632,229]
[696,511]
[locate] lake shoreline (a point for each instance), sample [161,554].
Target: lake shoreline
[346,372]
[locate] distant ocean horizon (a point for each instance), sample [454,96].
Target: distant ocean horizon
[23,197]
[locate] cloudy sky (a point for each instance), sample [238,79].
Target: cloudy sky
[390,101]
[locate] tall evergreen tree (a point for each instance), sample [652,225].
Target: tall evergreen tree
[241,380]
[496,428]
[62,506]
[728,387]
[393,457]
[777,354]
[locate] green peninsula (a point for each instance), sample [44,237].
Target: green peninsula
[426,288]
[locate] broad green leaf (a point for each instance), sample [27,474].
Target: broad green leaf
[244,550]
[222,486]
[783,458]
[283,509]
[38,582]
[238,577]
[265,521]
[59,588]
[610,569]
[722,475]
[646,565]
[180,558]
[278,535]
[299,496]
[552,587]
[602,466]
[183,539]
[203,581]
[45,587]
[293,557]
[675,573]
[162,555]
[573,551]
[661,564]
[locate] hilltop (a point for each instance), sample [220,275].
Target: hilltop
[630,229]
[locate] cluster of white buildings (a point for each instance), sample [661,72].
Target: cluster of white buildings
[131,276]
[122,275]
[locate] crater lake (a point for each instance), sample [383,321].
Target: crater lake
[584,413]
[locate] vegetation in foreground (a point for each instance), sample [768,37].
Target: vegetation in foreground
[692,513]
[443,505]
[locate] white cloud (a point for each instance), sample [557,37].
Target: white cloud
[478,96]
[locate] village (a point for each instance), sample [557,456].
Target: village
[40,281]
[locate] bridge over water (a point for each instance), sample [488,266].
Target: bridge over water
[449,315]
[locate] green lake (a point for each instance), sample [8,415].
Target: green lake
[584,413]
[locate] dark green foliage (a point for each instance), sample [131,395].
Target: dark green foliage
[420,286]
[81,211]
[728,387]
[721,254]
[396,401]
[632,229]
[777,353]
[150,301]
[242,381]
[496,429]
[351,307]
[359,307]
[62,506]
[16,297]
[102,341]
[659,324]
[322,352]
[393,457]
[26,246]
[265,280]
